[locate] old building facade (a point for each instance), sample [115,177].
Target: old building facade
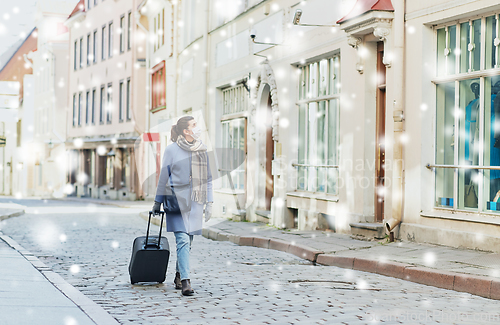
[370,117]
[106,99]
[16,122]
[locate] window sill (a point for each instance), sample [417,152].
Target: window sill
[461,215]
[154,110]
[314,195]
[229,191]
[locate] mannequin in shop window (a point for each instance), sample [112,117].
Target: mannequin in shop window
[495,143]
[471,148]
[472,140]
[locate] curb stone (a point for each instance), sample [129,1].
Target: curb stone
[429,277]
[95,312]
[476,285]
[14,213]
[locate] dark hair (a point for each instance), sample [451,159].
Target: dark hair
[182,124]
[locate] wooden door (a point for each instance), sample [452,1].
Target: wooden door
[269,155]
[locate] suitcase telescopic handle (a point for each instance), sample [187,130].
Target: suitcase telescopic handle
[162,213]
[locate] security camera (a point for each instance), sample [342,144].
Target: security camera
[252,34]
[296,17]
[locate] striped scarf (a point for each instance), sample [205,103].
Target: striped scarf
[199,167]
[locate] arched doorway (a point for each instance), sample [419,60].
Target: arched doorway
[266,151]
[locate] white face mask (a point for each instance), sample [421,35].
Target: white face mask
[196,132]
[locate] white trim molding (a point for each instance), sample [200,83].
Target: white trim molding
[378,23]
[265,76]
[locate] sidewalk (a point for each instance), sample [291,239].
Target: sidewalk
[31,293]
[117,203]
[462,270]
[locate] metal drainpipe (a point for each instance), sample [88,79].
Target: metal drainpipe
[398,115]
[138,188]
[148,80]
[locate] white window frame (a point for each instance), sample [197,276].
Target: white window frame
[310,168]
[480,74]
[234,108]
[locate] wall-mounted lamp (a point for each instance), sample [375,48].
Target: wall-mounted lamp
[298,15]
[253,34]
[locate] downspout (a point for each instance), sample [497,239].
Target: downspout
[139,189]
[148,80]
[398,115]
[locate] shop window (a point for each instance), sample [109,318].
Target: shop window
[158,88]
[110,170]
[125,168]
[319,95]
[459,46]
[467,166]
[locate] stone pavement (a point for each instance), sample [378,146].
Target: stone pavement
[89,246]
[475,272]
[117,203]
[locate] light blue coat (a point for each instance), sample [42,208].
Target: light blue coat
[176,169]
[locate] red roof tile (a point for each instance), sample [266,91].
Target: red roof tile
[80,6]
[364,6]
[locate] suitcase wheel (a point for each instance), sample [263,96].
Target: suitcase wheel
[132,281]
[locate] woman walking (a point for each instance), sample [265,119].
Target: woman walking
[186,168]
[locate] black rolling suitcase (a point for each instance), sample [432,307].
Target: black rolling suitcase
[149,257]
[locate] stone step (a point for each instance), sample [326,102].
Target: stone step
[239,215]
[263,213]
[368,230]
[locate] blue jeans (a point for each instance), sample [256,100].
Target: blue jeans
[183,244]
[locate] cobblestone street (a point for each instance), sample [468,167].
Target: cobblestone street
[90,245]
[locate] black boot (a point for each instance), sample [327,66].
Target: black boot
[186,288]
[177,281]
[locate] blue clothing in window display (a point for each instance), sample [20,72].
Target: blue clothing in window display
[494,135]
[492,203]
[471,112]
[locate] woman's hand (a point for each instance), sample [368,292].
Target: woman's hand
[156,208]
[208,211]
